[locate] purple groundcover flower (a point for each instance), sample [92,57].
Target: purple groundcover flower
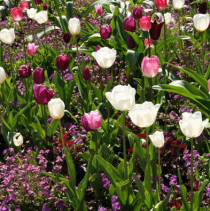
[104,181]
[100,208]
[60,205]
[45,207]
[115,205]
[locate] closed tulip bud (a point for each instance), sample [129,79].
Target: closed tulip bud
[148,42]
[62,62]
[67,37]
[130,42]
[129,24]
[208,85]
[157,139]
[161,4]
[32,49]
[203,8]
[18,139]
[191,124]
[56,108]
[25,71]
[167,18]
[144,115]
[86,73]
[2,75]
[122,97]
[99,9]
[7,36]
[37,1]
[42,94]
[74,26]
[155,30]
[105,57]
[31,13]
[41,17]
[145,23]
[44,6]
[137,12]
[178,4]
[29,38]
[98,47]
[38,75]
[24,5]
[201,22]
[91,121]
[150,66]
[105,31]
[17,13]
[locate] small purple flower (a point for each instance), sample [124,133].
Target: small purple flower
[45,207]
[115,205]
[60,205]
[100,208]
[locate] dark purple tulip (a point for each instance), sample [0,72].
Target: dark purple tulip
[137,12]
[130,42]
[129,24]
[98,47]
[105,31]
[203,8]
[62,62]
[38,1]
[86,73]
[38,75]
[42,94]
[155,30]
[67,37]
[25,71]
[44,6]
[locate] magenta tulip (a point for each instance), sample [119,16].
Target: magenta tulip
[37,1]
[25,71]
[137,12]
[130,42]
[44,6]
[86,73]
[91,121]
[42,94]
[161,4]
[17,13]
[99,9]
[24,5]
[105,31]
[148,42]
[150,66]
[98,47]
[38,75]
[62,62]
[67,37]
[145,23]
[32,49]
[129,24]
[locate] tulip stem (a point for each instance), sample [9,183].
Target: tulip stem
[148,164]
[2,89]
[149,45]
[191,176]
[45,121]
[155,46]
[24,47]
[77,53]
[151,90]
[108,108]
[202,52]
[27,89]
[61,131]
[95,138]
[124,148]
[164,34]
[159,170]
[45,38]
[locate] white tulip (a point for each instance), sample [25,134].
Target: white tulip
[167,18]
[29,38]
[122,97]
[191,124]
[144,115]
[56,108]
[7,36]
[178,4]
[201,22]
[74,26]
[105,57]
[2,75]
[31,13]
[157,139]
[41,17]
[18,139]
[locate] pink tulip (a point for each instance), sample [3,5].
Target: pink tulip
[145,23]
[99,9]
[150,66]
[161,4]
[148,42]
[91,121]
[24,5]
[32,49]
[209,85]
[17,13]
